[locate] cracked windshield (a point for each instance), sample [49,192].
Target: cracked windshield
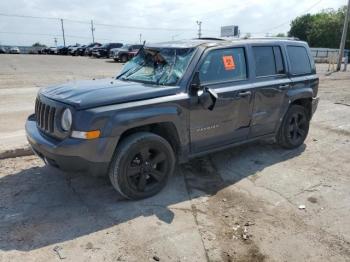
[164,66]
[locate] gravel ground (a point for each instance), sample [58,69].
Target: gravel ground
[252,203]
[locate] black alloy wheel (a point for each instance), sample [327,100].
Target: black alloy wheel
[297,127]
[294,128]
[142,165]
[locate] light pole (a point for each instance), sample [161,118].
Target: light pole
[63,36]
[199,23]
[92,31]
[343,37]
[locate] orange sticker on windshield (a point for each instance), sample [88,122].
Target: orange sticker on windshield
[229,62]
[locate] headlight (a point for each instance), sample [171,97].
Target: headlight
[66,120]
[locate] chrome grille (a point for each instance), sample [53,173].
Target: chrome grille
[45,116]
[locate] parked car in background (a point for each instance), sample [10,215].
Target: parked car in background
[72,49]
[44,51]
[80,50]
[53,50]
[2,50]
[83,49]
[88,50]
[124,53]
[104,50]
[14,50]
[62,50]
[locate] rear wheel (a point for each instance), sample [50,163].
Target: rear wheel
[141,165]
[294,128]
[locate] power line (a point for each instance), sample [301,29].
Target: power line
[28,16]
[50,35]
[287,22]
[101,24]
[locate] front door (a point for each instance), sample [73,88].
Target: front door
[225,72]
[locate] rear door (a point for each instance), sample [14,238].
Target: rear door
[272,84]
[225,72]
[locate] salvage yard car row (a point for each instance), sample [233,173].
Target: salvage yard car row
[116,51]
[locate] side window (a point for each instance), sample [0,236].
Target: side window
[299,60]
[223,65]
[268,61]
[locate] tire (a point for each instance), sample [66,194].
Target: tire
[124,58]
[141,165]
[294,128]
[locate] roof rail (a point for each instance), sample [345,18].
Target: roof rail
[271,38]
[209,38]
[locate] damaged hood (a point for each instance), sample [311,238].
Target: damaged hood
[94,93]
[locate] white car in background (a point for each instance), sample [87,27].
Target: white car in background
[14,50]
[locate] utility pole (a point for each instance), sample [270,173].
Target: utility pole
[55,40]
[343,37]
[199,23]
[140,38]
[92,31]
[64,38]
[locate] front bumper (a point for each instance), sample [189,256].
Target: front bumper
[71,154]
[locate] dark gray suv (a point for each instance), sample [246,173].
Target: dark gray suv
[173,102]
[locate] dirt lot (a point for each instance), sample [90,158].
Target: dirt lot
[241,204]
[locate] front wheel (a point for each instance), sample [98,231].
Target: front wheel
[141,165]
[294,128]
[124,58]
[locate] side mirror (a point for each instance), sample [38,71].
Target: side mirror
[207,98]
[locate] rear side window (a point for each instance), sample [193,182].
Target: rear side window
[299,60]
[268,61]
[223,65]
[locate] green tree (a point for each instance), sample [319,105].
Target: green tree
[281,35]
[37,44]
[300,27]
[323,29]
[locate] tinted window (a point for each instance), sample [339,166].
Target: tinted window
[223,65]
[136,46]
[299,60]
[264,61]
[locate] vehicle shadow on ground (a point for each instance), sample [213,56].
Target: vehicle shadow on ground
[43,206]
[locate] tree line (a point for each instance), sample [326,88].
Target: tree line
[323,29]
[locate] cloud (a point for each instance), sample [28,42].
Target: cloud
[254,16]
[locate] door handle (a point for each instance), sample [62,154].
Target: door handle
[284,87]
[244,94]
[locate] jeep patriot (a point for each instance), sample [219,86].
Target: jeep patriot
[172,102]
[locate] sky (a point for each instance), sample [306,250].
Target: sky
[156,20]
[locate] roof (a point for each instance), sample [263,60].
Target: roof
[191,43]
